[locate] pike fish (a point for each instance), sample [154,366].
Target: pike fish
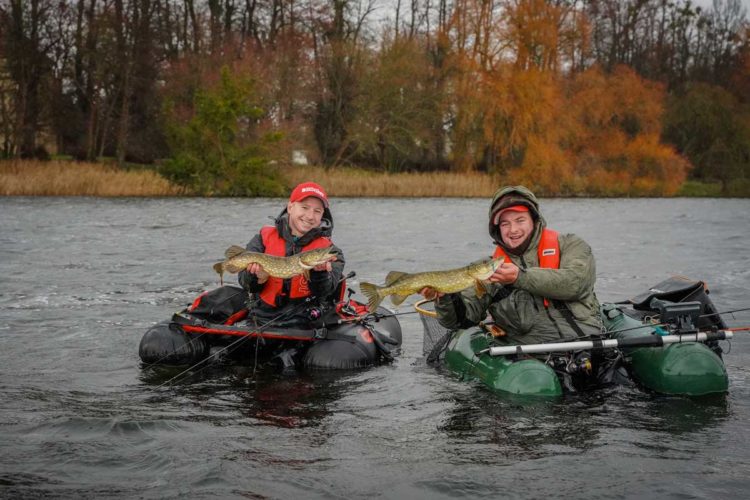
[237,259]
[400,285]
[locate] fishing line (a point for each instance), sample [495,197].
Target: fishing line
[725,312]
[195,338]
[289,312]
[369,316]
[241,339]
[158,361]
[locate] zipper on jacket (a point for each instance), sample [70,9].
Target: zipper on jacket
[524,267]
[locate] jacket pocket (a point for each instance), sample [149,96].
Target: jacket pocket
[516,313]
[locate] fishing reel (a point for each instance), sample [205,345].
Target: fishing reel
[580,364]
[574,363]
[348,308]
[314,313]
[680,317]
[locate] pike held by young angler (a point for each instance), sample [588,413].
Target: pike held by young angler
[237,259]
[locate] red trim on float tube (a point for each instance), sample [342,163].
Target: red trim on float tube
[240,333]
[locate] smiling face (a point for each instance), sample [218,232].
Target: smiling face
[515,228]
[304,215]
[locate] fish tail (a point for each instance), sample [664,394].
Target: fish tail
[219,268]
[397,299]
[371,292]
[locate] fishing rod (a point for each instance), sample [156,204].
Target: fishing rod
[257,333]
[201,335]
[724,312]
[369,316]
[645,341]
[654,325]
[196,337]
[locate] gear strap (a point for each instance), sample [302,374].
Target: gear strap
[568,316]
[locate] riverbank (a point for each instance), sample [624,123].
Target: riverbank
[68,178]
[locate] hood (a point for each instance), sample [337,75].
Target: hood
[515,195]
[325,228]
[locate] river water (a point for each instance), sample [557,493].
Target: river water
[81,279]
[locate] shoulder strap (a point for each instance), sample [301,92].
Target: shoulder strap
[568,316]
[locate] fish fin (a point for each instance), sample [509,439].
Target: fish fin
[306,274]
[234,251]
[232,268]
[391,277]
[479,288]
[219,268]
[397,299]
[371,292]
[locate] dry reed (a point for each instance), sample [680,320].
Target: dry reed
[64,178]
[67,178]
[351,182]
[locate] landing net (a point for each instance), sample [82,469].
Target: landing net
[435,336]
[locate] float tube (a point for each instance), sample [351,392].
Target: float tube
[467,356]
[665,340]
[343,336]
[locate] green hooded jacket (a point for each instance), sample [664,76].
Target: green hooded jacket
[519,308]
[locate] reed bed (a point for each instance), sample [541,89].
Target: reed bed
[65,178]
[351,182]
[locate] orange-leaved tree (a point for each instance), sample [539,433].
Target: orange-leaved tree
[616,141]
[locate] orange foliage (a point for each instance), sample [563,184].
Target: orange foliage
[546,168]
[534,29]
[516,113]
[615,140]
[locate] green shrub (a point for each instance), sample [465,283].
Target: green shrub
[219,151]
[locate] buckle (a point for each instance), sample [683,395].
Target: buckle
[320,333]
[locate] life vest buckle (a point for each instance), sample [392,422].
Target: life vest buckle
[320,333]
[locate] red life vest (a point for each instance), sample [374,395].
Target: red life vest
[276,245]
[548,252]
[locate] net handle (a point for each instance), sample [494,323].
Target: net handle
[425,312]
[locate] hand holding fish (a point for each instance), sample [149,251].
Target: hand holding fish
[258,271]
[506,274]
[430,293]
[324,267]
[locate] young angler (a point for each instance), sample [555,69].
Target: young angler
[544,291]
[304,224]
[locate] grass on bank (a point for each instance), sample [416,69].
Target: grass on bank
[65,178]
[69,178]
[354,182]
[739,188]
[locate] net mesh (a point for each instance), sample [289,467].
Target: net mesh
[435,336]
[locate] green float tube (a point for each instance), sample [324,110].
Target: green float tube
[690,369]
[527,377]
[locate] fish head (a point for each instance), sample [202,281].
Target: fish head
[483,269]
[313,258]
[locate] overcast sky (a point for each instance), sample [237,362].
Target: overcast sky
[709,3]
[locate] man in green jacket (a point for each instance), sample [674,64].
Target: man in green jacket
[543,292]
